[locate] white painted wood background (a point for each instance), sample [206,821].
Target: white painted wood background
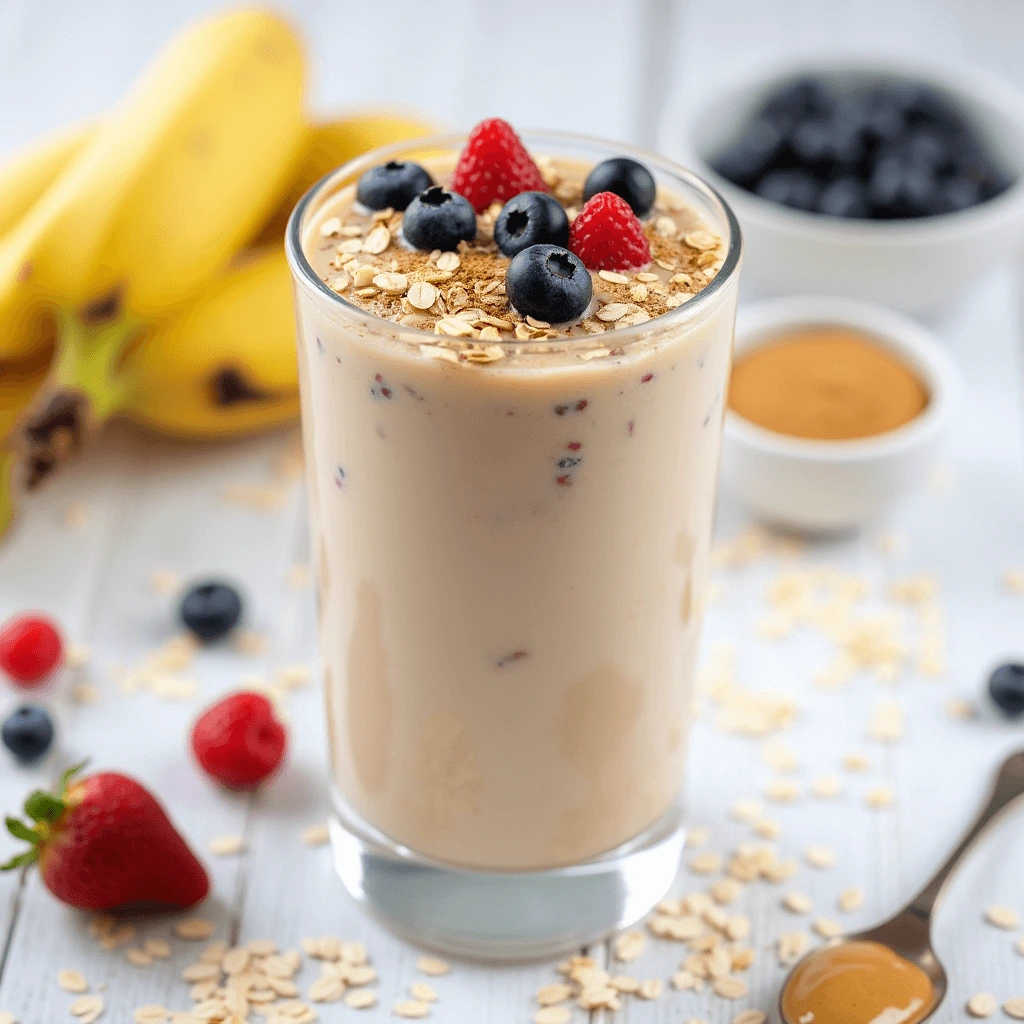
[600,67]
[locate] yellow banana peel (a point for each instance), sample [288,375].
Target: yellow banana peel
[170,185]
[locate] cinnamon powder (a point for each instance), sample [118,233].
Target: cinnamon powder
[826,384]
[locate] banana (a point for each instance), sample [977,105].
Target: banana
[30,171]
[171,184]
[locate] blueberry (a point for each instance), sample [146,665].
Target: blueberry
[1006,687]
[28,732]
[211,610]
[439,219]
[626,178]
[531,218]
[844,197]
[900,188]
[549,283]
[752,155]
[798,99]
[796,189]
[826,144]
[396,184]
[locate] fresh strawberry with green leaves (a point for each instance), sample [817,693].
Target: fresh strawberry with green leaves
[104,842]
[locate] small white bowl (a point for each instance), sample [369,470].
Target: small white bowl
[836,486]
[921,266]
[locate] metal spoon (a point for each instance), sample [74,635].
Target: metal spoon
[908,933]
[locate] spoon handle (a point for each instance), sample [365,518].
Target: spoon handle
[1006,791]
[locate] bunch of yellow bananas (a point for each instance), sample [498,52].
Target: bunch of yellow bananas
[142,271]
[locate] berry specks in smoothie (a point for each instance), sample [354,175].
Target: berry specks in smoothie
[511,658]
[565,480]
[647,378]
[381,390]
[339,478]
[569,407]
[320,346]
[574,446]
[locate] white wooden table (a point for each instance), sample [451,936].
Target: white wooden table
[154,505]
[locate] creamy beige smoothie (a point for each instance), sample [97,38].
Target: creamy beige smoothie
[512,523]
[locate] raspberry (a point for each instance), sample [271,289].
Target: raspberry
[494,164]
[607,235]
[238,741]
[31,648]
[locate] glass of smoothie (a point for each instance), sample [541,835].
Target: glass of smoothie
[511,518]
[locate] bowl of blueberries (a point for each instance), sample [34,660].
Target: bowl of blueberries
[896,182]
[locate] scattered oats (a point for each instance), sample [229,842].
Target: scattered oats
[163,581]
[551,995]
[151,1013]
[359,974]
[826,787]
[766,828]
[624,983]
[432,967]
[887,722]
[782,791]
[236,960]
[851,900]
[316,835]
[361,998]
[86,693]
[791,946]
[703,240]
[746,810]
[159,948]
[743,959]
[778,754]
[355,953]
[1013,581]
[140,958]
[340,282]
[453,327]
[194,929]
[706,864]
[879,797]
[828,927]
[201,972]
[856,762]
[686,981]
[423,992]
[449,261]
[72,981]
[227,846]
[1014,1007]
[331,226]
[666,227]
[629,946]
[552,1015]
[797,903]
[411,1008]
[377,240]
[87,1006]
[726,891]
[650,988]
[591,977]
[737,927]
[982,1005]
[250,643]
[1003,917]
[818,856]
[698,835]
[613,277]
[598,998]
[326,989]
[961,709]
[729,987]
[750,1017]
[77,655]
[439,352]
[364,275]
[612,311]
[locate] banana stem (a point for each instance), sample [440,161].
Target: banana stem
[89,360]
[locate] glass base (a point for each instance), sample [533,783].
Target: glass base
[506,916]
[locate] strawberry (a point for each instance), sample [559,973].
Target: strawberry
[238,741]
[104,842]
[494,165]
[607,235]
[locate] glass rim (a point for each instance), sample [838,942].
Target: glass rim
[303,272]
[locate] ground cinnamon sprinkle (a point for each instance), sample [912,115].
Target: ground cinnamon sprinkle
[826,383]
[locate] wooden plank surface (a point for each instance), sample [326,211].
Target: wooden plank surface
[158,505]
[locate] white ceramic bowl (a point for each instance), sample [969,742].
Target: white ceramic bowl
[920,266]
[835,486]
